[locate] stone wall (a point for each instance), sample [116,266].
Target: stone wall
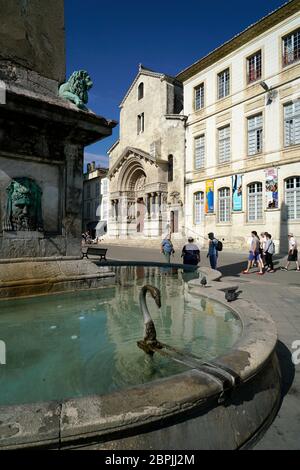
[32,36]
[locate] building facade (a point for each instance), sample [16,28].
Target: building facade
[94,182]
[146,163]
[104,206]
[243,134]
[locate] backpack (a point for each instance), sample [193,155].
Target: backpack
[219,245]
[271,248]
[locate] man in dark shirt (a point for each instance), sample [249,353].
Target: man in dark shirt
[191,253]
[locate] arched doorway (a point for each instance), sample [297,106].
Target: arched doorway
[138,186]
[174,222]
[140,215]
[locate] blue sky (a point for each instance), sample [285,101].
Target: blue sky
[110,39]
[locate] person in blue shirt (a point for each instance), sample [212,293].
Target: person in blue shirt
[212,251]
[167,248]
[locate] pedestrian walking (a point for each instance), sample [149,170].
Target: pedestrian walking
[262,248]
[212,250]
[167,248]
[254,255]
[293,253]
[191,253]
[269,250]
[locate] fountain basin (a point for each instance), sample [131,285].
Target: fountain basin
[187,410]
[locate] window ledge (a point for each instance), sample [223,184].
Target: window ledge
[255,222]
[291,147]
[199,170]
[254,82]
[289,66]
[255,155]
[199,111]
[226,164]
[219,100]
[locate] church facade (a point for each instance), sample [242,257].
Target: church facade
[146,163]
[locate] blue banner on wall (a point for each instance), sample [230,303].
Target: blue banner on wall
[237,192]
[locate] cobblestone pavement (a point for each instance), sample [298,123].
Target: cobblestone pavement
[279,295]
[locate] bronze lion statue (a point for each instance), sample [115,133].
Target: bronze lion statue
[76,89]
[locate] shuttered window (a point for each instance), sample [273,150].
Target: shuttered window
[292,123]
[223,84]
[292,197]
[104,187]
[291,48]
[224,205]
[198,208]
[255,202]
[255,134]
[224,144]
[97,192]
[199,152]
[199,97]
[254,67]
[96,212]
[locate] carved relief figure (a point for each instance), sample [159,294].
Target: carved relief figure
[140,184]
[76,89]
[24,206]
[175,197]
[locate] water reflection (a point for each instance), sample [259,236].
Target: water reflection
[83,343]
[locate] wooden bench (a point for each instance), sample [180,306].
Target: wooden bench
[95,251]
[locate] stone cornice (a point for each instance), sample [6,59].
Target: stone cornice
[253,31]
[76,125]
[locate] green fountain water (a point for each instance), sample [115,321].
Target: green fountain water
[77,344]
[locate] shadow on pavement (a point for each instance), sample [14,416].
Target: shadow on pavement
[286,366]
[236,269]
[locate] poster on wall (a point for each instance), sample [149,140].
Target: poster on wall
[209,200]
[272,188]
[237,192]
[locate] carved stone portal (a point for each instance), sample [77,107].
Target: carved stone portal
[24,206]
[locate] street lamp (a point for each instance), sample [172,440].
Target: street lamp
[271,92]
